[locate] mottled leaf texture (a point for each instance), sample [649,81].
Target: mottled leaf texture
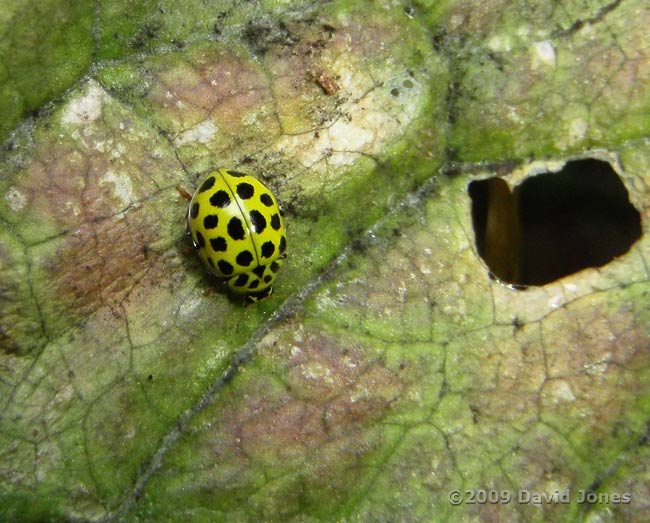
[392,376]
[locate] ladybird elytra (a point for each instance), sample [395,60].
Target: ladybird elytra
[238,230]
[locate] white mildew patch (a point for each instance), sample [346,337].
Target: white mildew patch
[202,133]
[16,199]
[556,301]
[561,392]
[577,130]
[500,43]
[317,371]
[86,107]
[366,125]
[574,128]
[543,53]
[119,150]
[72,206]
[122,186]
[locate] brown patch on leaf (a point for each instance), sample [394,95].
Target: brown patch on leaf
[592,340]
[329,396]
[54,184]
[593,358]
[92,201]
[216,85]
[99,263]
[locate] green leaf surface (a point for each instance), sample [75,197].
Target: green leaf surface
[388,369]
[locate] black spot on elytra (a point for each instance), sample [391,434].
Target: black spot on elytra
[220,199]
[266,199]
[208,184]
[211,221]
[268,278]
[259,270]
[225,267]
[275,267]
[258,221]
[244,258]
[236,229]
[268,248]
[200,240]
[275,222]
[241,281]
[194,211]
[245,190]
[283,244]
[219,244]
[254,284]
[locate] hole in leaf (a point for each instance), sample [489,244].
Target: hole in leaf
[553,224]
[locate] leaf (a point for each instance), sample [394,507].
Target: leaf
[387,370]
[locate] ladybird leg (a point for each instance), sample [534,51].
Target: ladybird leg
[257,296]
[183,192]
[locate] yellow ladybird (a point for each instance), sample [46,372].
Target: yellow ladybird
[237,228]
